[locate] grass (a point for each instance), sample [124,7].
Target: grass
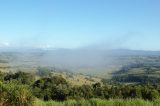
[100,102]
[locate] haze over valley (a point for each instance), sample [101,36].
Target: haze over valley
[79,53]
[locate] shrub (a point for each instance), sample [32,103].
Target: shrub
[15,95]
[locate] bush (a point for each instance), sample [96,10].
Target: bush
[12,94]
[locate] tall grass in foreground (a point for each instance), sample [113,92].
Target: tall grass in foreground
[100,102]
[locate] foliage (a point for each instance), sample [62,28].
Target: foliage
[19,89]
[51,88]
[57,88]
[12,94]
[21,77]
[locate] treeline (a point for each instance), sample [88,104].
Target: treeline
[126,68]
[148,74]
[147,67]
[144,79]
[56,88]
[21,88]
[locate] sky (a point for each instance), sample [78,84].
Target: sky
[117,24]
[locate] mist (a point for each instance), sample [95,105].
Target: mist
[89,58]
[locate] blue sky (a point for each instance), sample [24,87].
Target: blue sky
[127,24]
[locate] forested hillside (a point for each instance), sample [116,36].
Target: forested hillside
[23,89]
